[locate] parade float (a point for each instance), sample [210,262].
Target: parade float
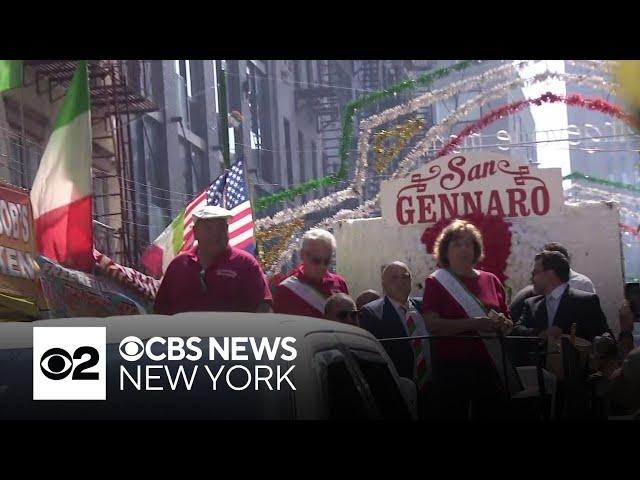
[517,206]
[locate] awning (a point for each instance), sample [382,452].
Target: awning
[14,308]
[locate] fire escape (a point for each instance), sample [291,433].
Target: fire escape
[119,90]
[376,75]
[370,75]
[328,96]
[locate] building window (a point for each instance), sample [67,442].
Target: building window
[16,165]
[303,169]
[184,145]
[183,69]
[296,70]
[215,85]
[19,160]
[254,107]
[287,148]
[310,79]
[200,181]
[314,164]
[100,195]
[260,126]
[232,143]
[448,106]
[314,159]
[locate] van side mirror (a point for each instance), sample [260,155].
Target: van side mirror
[410,394]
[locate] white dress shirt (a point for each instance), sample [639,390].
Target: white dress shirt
[581,282]
[553,300]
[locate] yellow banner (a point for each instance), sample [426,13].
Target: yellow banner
[18,269]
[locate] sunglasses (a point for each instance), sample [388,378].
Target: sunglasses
[352,314]
[320,261]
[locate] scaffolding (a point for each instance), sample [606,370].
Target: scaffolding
[120,89]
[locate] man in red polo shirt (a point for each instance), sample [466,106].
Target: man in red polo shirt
[213,276]
[306,290]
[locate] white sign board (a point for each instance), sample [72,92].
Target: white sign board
[464,184]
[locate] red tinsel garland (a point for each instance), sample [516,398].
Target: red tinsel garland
[496,237]
[629,229]
[575,100]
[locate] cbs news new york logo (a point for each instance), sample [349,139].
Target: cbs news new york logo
[69,363]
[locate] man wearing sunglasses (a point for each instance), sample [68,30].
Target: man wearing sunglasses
[306,289]
[213,276]
[340,307]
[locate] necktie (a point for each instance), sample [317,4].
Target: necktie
[418,350]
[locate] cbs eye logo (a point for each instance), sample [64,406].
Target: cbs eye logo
[69,363]
[57,363]
[131,348]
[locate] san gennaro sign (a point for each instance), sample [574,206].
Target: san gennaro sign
[464,184]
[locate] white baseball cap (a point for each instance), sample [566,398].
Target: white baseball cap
[211,211]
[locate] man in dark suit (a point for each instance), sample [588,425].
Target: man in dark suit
[576,280]
[560,305]
[396,315]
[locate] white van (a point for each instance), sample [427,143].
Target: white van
[341,372]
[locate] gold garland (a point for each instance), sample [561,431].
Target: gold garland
[284,231]
[401,134]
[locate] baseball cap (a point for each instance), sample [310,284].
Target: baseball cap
[209,212]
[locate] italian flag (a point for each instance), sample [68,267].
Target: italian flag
[165,248]
[174,239]
[10,74]
[61,195]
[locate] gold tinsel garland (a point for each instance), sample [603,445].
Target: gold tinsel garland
[284,231]
[401,134]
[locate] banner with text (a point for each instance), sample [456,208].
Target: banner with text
[17,244]
[463,184]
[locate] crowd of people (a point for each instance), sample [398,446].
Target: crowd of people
[450,341]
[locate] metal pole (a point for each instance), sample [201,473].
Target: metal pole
[23,147]
[120,169]
[223,133]
[131,172]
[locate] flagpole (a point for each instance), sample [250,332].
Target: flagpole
[223,131]
[250,193]
[249,186]
[223,200]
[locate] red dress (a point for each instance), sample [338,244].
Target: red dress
[436,299]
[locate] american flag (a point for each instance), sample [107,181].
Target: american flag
[230,191]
